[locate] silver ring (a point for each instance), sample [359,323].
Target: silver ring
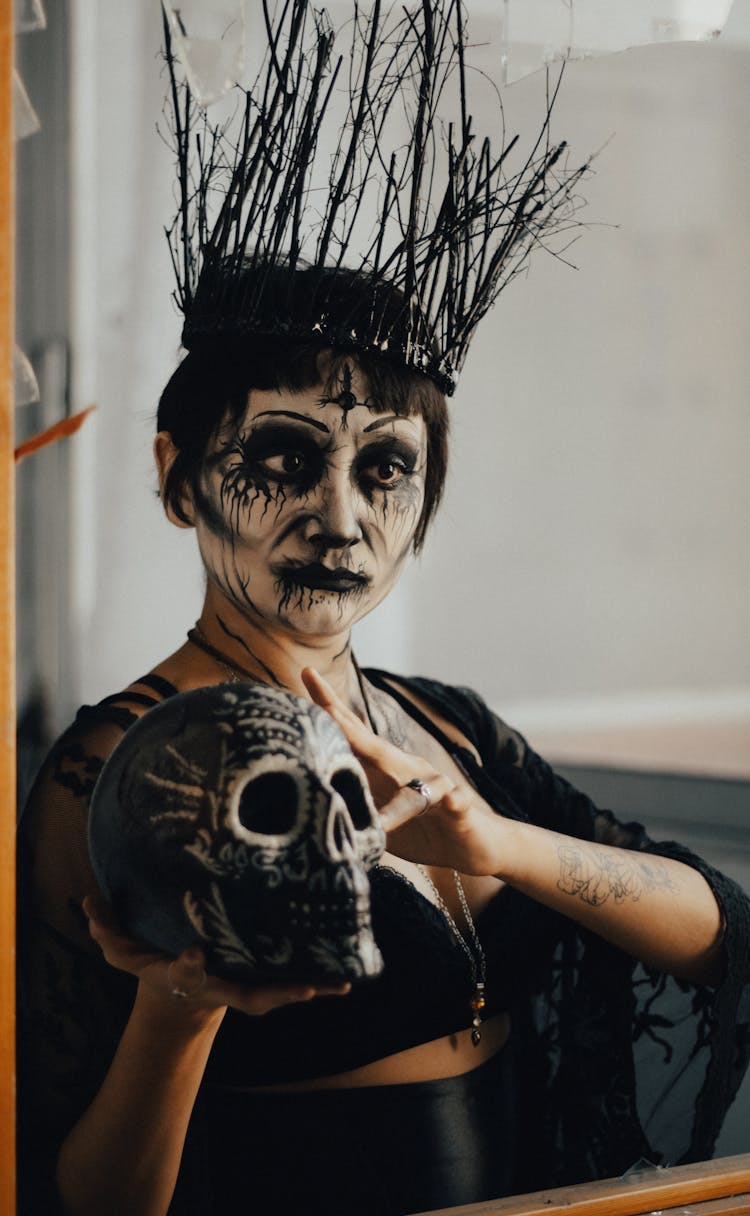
[422,788]
[180,994]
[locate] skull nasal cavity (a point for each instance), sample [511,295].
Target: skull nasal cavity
[268,804]
[349,786]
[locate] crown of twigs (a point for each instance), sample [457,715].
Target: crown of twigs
[396,241]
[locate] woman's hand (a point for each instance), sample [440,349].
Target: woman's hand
[660,910]
[180,985]
[456,829]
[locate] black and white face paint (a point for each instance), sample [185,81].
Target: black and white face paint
[344,396]
[307,509]
[236,817]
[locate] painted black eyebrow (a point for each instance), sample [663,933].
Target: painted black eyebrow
[373,426]
[321,426]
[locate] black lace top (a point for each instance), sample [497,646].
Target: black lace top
[618,1062]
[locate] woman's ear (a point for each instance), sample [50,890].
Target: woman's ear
[165,454]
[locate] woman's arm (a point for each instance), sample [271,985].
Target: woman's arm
[660,910]
[109,1070]
[124,1153]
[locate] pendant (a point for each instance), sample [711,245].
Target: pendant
[478,1002]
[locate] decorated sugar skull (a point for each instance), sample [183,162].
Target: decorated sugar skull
[237,818]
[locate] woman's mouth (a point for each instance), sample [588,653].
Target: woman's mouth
[316,577]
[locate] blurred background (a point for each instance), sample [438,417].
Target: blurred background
[589,570]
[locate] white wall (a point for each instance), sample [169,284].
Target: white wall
[592,541]
[603,413]
[138,581]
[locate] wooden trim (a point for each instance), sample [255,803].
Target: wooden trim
[723,1186]
[7,624]
[730,1205]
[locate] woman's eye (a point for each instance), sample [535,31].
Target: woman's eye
[387,472]
[284,464]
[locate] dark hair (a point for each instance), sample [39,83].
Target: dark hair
[211,386]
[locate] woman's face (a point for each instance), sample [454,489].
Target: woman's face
[306,510]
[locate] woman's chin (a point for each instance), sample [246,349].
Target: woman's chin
[315,612]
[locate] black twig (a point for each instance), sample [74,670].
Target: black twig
[456,218]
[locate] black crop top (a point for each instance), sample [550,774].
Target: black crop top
[578,1005]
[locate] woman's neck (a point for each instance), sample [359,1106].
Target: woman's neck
[263,652]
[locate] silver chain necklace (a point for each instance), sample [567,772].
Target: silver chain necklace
[471,948]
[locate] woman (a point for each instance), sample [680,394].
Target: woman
[303,438]
[305,505]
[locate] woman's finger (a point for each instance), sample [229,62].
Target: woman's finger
[183,980]
[97,910]
[261,1000]
[138,958]
[103,927]
[324,695]
[362,740]
[414,799]
[376,752]
[186,975]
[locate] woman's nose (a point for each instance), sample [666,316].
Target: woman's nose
[335,523]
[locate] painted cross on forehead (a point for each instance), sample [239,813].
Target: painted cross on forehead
[346,398]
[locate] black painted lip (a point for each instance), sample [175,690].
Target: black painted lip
[318,577]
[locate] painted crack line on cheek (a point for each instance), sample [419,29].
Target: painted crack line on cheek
[407,511]
[239,494]
[397,512]
[231,582]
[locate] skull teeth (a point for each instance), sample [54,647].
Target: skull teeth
[341,906]
[344,917]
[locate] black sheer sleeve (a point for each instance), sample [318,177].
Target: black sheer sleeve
[620,1062]
[673,1067]
[72,1005]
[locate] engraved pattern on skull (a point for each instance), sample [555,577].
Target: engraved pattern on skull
[238,817]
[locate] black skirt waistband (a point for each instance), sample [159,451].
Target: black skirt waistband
[380,1150]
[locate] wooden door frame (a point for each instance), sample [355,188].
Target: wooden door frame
[7,623]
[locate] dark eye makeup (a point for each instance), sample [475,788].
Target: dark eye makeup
[386,462]
[290,456]
[281,453]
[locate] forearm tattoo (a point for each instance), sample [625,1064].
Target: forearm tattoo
[595,875]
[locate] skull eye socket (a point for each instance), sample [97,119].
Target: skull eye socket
[268,804]
[349,786]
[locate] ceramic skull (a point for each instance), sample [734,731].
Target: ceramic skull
[237,817]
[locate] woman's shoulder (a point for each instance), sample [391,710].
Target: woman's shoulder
[53,848]
[67,777]
[122,709]
[100,726]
